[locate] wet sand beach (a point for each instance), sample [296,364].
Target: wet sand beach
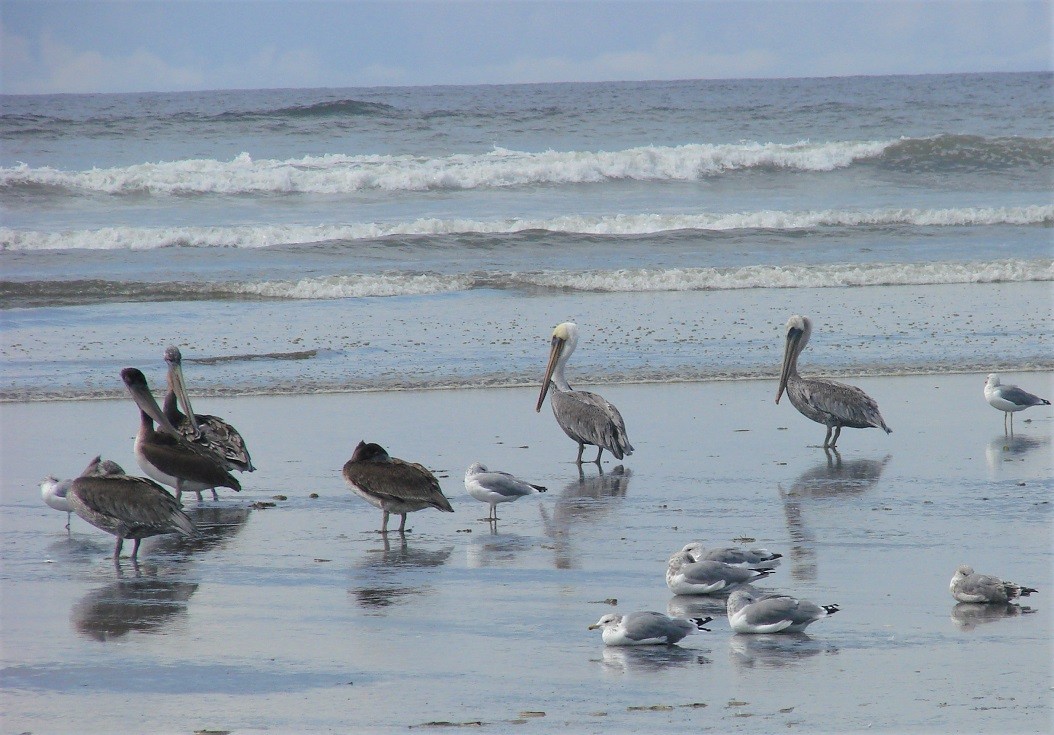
[298,616]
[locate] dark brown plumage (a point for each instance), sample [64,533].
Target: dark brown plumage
[391,484]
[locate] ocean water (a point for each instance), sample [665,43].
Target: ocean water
[394,238]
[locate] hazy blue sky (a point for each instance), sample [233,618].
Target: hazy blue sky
[87,46]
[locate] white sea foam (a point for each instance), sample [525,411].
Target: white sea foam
[343,174]
[256,236]
[655,280]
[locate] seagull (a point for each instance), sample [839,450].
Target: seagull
[391,484]
[585,417]
[826,402]
[496,487]
[1009,399]
[646,628]
[55,492]
[128,507]
[969,586]
[685,576]
[735,555]
[748,613]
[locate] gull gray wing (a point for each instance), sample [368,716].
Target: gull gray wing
[646,625]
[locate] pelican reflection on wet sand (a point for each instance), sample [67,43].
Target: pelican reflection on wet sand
[164,455]
[204,430]
[127,507]
[826,402]
[391,484]
[585,417]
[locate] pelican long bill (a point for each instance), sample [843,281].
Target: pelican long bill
[554,356]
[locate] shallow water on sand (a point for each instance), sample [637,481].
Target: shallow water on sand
[300,617]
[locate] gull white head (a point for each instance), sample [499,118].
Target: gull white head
[475,468]
[608,622]
[564,341]
[54,491]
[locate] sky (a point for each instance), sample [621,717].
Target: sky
[51,46]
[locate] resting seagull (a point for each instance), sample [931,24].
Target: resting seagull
[969,586]
[585,417]
[685,576]
[496,487]
[646,628]
[773,613]
[735,555]
[1009,399]
[391,484]
[826,402]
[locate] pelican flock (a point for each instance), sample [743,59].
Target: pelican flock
[391,484]
[826,402]
[128,507]
[1009,399]
[585,417]
[204,430]
[164,455]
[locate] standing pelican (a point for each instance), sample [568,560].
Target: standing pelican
[202,429]
[495,487]
[128,507]
[826,402]
[391,484]
[163,455]
[585,417]
[1009,399]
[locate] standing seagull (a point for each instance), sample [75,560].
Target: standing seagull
[969,586]
[646,628]
[55,492]
[164,456]
[585,417]
[773,613]
[391,484]
[826,402]
[496,487]
[1009,399]
[202,429]
[128,507]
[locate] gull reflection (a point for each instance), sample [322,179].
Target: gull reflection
[775,651]
[496,549]
[395,573]
[582,501]
[648,659]
[1009,454]
[830,479]
[142,604]
[695,606]
[968,615]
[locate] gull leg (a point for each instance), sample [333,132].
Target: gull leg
[1011,424]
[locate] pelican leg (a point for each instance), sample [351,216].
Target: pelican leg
[827,439]
[402,523]
[581,448]
[214,495]
[117,548]
[179,491]
[600,450]
[837,432]
[384,523]
[135,550]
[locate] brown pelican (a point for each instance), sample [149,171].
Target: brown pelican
[495,487]
[128,507]
[163,455]
[391,484]
[969,586]
[748,613]
[646,628]
[826,402]
[202,429]
[585,417]
[1009,399]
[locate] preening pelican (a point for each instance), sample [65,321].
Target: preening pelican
[493,487]
[128,507]
[391,484]
[163,455]
[585,417]
[202,429]
[1009,399]
[826,402]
